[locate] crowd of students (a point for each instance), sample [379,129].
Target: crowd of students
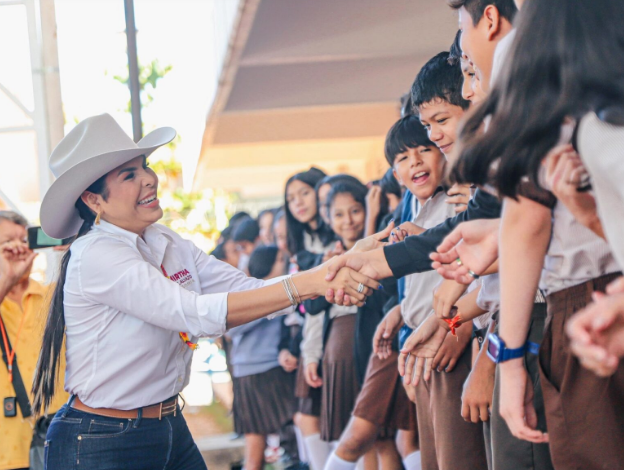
[504,173]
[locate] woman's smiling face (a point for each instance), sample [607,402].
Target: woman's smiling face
[131,200]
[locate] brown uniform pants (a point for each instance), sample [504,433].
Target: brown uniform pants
[447,442]
[506,452]
[584,413]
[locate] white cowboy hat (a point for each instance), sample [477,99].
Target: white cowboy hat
[94,147]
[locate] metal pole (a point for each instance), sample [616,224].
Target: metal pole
[133,71]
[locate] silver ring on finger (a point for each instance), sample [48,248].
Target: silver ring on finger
[360,288]
[474,275]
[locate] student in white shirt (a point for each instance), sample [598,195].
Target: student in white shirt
[131,299]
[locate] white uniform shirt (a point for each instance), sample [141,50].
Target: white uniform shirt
[488,299]
[312,342]
[124,316]
[417,304]
[575,254]
[600,146]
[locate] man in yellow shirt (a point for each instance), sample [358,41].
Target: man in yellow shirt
[23,308]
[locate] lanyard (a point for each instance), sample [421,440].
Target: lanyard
[11,352]
[183,336]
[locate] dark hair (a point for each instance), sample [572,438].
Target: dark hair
[262,260]
[357,191]
[456,53]
[439,80]
[333,179]
[219,252]
[407,133]
[46,373]
[14,217]
[561,65]
[247,231]
[506,8]
[390,185]
[226,233]
[296,229]
[265,212]
[238,218]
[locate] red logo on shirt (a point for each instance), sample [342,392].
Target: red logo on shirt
[181,277]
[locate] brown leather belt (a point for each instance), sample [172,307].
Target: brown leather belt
[159,411]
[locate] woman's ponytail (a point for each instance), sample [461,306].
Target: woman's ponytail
[47,371]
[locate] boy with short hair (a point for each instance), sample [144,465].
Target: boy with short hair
[437,97]
[484,23]
[419,165]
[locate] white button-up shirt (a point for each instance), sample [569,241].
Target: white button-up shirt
[124,316]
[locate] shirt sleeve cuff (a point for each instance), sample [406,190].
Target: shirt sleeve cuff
[212,314]
[398,258]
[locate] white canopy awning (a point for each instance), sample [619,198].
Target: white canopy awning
[315,82]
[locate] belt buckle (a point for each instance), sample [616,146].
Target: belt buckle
[175,409]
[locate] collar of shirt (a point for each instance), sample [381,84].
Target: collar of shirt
[152,245]
[33,289]
[416,206]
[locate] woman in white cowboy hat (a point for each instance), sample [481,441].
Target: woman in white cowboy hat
[131,298]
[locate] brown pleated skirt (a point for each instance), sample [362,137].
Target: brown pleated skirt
[340,384]
[383,400]
[265,402]
[309,399]
[584,412]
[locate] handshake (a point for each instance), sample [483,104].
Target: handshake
[365,264]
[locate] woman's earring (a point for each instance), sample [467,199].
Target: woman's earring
[97,219]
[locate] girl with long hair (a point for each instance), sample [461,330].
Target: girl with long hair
[347,345]
[307,235]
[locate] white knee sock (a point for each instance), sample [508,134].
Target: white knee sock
[336,463]
[412,461]
[301,447]
[318,451]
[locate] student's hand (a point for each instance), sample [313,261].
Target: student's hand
[420,348]
[475,243]
[446,296]
[479,389]
[372,265]
[374,241]
[387,329]
[288,362]
[311,375]
[345,283]
[406,229]
[452,348]
[597,334]
[564,174]
[459,195]
[516,402]
[373,201]
[336,251]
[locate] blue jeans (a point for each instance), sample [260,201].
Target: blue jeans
[78,440]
